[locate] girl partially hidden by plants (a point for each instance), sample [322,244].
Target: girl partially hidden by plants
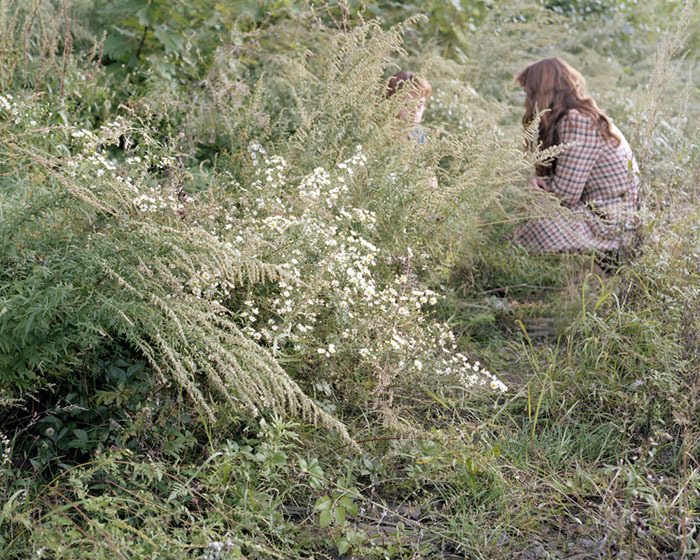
[596,176]
[416,91]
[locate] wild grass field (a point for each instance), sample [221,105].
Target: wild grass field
[239,319]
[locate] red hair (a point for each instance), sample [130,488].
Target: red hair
[552,84]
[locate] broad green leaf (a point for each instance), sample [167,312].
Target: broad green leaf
[324,502]
[146,16]
[171,41]
[324,519]
[279,458]
[82,435]
[116,46]
[349,505]
[339,514]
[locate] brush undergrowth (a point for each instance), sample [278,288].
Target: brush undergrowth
[240,319]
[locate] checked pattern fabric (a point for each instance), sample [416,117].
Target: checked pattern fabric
[598,182]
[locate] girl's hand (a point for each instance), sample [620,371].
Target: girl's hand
[539,182]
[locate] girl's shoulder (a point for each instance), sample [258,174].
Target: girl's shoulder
[576,118]
[577,126]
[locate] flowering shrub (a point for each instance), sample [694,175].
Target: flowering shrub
[334,304]
[132,249]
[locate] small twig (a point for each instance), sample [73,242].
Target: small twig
[143,40]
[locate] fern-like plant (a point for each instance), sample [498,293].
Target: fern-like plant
[83,264]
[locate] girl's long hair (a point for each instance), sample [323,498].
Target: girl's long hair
[552,84]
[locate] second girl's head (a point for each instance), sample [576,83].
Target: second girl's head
[552,84]
[415,88]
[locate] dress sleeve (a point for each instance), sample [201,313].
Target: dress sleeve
[574,164]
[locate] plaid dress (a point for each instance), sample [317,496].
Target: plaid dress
[598,182]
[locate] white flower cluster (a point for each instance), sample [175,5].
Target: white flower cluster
[450,107]
[217,550]
[8,104]
[6,447]
[207,285]
[154,200]
[332,303]
[91,164]
[84,134]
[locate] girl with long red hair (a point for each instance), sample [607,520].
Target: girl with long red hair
[596,177]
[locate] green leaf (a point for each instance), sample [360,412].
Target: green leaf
[132,6]
[9,504]
[171,41]
[343,546]
[116,46]
[438,399]
[339,514]
[349,505]
[324,519]
[82,435]
[279,458]
[324,502]
[145,16]
[138,367]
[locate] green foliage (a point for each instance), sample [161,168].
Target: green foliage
[167,34]
[116,505]
[122,275]
[216,239]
